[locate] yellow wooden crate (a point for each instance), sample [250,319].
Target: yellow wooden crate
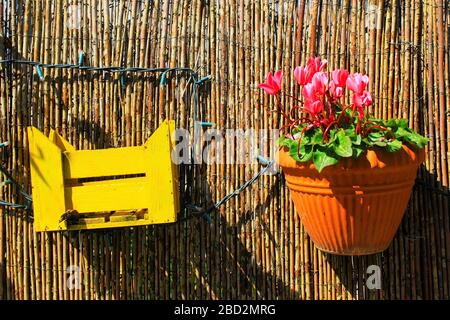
[107,188]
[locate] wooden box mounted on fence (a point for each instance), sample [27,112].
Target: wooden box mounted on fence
[107,188]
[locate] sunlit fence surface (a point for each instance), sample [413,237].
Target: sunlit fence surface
[255,246]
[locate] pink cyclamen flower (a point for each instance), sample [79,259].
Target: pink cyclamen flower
[301,75]
[304,75]
[361,101]
[357,82]
[314,107]
[320,81]
[273,83]
[336,92]
[316,64]
[309,92]
[339,77]
[364,99]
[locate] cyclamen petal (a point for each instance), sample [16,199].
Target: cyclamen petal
[314,107]
[364,99]
[278,77]
[296,136]
[301,75]
[320,81]
[357,82]
[268,89]
[332,87]
[357,100]
[313,65]
[271,81]
[273,84]
[339,77]
[310,71]
[339,92]
[361,101]
[365,79]
[367,98]
[309,92]
[316,64]
[336,92]
[323,64]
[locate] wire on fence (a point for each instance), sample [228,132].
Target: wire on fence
[196,210]
[205,213]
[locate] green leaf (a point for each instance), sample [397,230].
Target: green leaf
[402,132]
[402,123]
[283,141]
[307,136]
[417,139]
[356,139]
[306,151]
[377,139]
[375,136]
[317,137]
[380,143]
[332,137]
[293,150]
[367,142]
[394,145]
[343,145]
[323,158]
[357,151]
[408,135]
[351,133]
[396,123]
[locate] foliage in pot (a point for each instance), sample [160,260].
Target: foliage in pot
[350,175]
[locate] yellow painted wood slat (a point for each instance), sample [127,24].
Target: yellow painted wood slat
[58,140]
[104,162]
[163,194]
[107,197]
[47,181]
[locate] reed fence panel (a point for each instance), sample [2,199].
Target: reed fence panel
[256,247]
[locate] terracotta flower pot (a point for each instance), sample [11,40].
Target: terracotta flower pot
[356,206]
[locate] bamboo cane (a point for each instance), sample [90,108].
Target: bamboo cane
[237,42]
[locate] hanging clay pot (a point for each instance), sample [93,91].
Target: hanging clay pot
[354,207]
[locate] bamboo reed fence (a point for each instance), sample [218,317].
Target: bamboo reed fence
[256,247]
